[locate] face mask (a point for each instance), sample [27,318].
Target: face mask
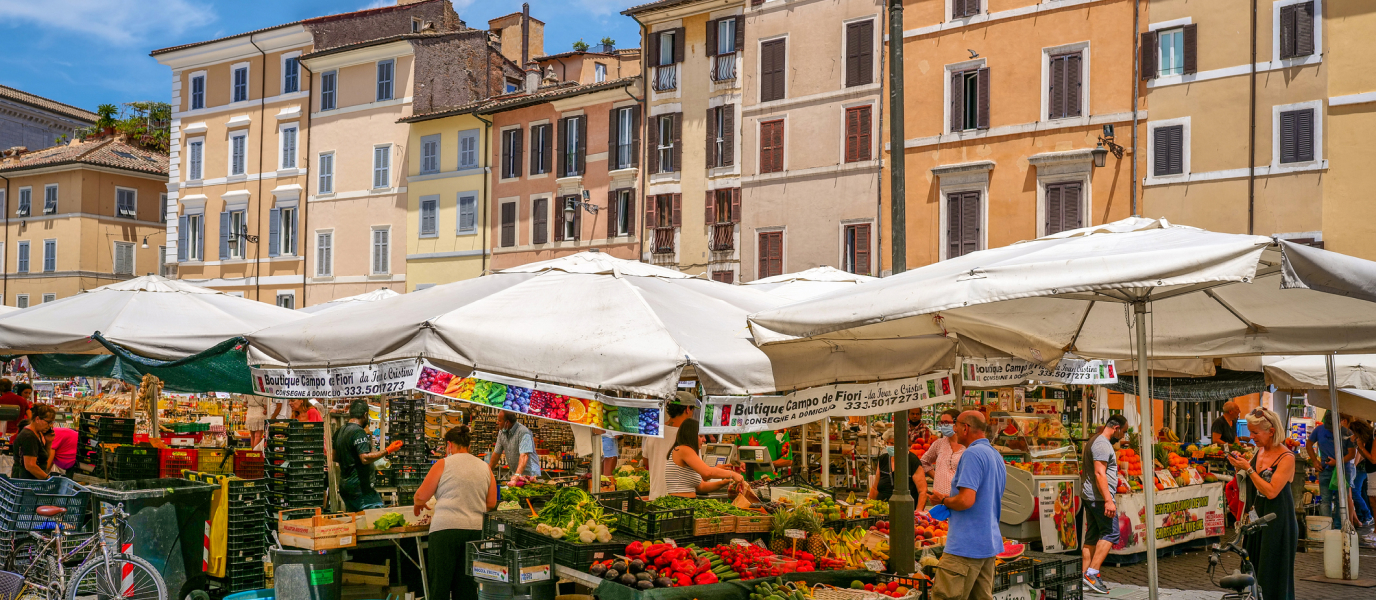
[889,450]
[946,430]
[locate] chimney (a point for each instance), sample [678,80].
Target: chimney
[525,33]
[550,77]
[532,77]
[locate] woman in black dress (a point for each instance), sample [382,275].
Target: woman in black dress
[1268,478]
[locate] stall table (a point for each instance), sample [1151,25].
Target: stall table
[380,540]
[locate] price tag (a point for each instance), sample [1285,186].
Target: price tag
[796,534]
[670,542]
[875,565]
[739,542]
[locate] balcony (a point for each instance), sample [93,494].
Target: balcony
[664,240]
[724,67]
[723,237]
[666,78]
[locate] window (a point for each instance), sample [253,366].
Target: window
[566,228]
[964,8]
[1297,136]
[667,41]
[382,166]
[726,35]
[666,135]
[858,134]
[195,162]
[969,99]
[771,254]
[49,298]
[666,50]
[240,84]
[327,89]
[1169,52]
[415,24]
[468,213]
[1063,203]
[541,147]
[288,148]
[21,301]
[238,147]
[286,300]
[25,202]
[198,92]
[857,259]
[162,261]
[430,154]
[233,228]
[624,135]
[162,208]
[23,265]
[124,258]
[49,199]
[1168,150]
[623,213]
[384,79]
[721,136]
[429,214]
[772,146]
[724,39]
[599,72]
[723,206]
[512,85]
[282,231]
[511,153]
[859,53]
[126,203]
[724,276]
[772,61]
[1297,30]
[382,239]
[468,149]
[539,220]
[324,253]
[508,224]
[325,184]
[962,223]
[291,75]
[191,237]
[1063,98]
[49,256]
[1172,45]
[571,146]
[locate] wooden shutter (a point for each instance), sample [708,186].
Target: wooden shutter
[275,228]
[613,128]
[650,202]
[957,9]
[728,125]
[652,131]
[1072,198]
[678,45]
[535,146]
[1297,136]
[771,146]
[1190,41]
[857,133]
[958,101]
[558,209]
[773,63]
[1168,150]
[1146,55]
[962,213]
[712,137]
[1053,208]
[630,211]
[611,213]
[1304,29]
[506,153]
[859,53]
[771,254]
[710,208]
[1056,94]
[516,152]
[735,205]
[182,237]
[678,211]
[861,249]
[635,136]
[653,59]
[547,150]
[1073,86]
[508,224]
[740,33]
[1287,31]
[577,219]
[982,109]
[560,164]
[678,141]
[712,37]
[540,220]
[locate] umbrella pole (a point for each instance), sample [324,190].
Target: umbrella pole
[825,424]
[596,466]
[901,503]
[1343,488]
[1146,434]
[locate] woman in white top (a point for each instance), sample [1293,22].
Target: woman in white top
[463,488]
[941,458]
[684,473]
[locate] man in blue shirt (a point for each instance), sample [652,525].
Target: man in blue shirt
[966,570]
[1322,437]
[517,444]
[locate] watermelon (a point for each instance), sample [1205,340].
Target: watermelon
[1011,550]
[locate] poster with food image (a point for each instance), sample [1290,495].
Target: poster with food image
[1058,503]
[1183,514]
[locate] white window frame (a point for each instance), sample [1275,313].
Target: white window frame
[1078,169]
[282,154]
[391,80]
[324,181]
[162,261]
[46,255]
[195,244]
[625,199]
[49,297]
[237,244]
[21,300]
[195,158]
[133,256]
[230,159]
[476,136]
[971,181]
[56,194]
[669,34]
[286,57]
[729,24]
[135,211]
[1047,54]
[416,24]
[845,258]
[458,209]
[25,198]
[625,136]
[437,140]
[875,50]
[287,294]
[434,217]
[248,82]
[502,136]
[286,217]
[661,147]
[191,90]
[1161,49]
[1184,144]
[332,90]
[327,250]
[599,72]
[570,137]
[516,225]
[1314,105]
[380,169]
[978,63]
[372,250]
[1317,56]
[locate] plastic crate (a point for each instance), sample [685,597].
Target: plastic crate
[291,429]
[497,522]
[1012,573]
[19,498]
[918,585]
[1046,569]
[290,447]
[576,556]
[501,560]
[620,499]
[172,461]
[1069,589]
[214,460]
[640,522]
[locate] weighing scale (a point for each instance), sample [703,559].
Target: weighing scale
[756,460]
[716,455]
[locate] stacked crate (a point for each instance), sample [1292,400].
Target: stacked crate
[406,422]
[129,463]
[248,464]
[295,464]
[172,461]
[247,539]
[94,429]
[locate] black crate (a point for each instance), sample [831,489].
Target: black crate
[499,522]
[641,522]
[19,498]
[291,430]
[577,556]
[1012,573]
[912,583]
[1070,589]
[620,500]
[1046,569]
[501,560]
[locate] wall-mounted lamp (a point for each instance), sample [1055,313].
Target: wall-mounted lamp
[145,242]
[243,235]
[1105,146]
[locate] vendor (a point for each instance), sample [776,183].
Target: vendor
[1224,428]
[463,490]
[611,451]
[516,443]
[654,452]
[301,410]
[353,450]
[62,454]
[917,430]
[776,442]
[31,452]
[10,398]
[685,475]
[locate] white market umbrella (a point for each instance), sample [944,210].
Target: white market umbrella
[1089,291]
[1307,267]
[1311,372]
[588,320]
[809,284]
[373,296]
[151,316]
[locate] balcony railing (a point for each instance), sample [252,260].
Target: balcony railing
[666,78]
[724,67]
[664,240]
[723,237]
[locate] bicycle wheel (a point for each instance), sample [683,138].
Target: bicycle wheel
[40,574]
[123,577]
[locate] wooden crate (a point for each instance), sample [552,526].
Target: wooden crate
[711,525]
[754,524]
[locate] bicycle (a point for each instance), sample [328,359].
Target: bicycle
[103,574]
[1242,581]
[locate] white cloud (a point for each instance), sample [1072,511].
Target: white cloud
[114,21]
[377,4]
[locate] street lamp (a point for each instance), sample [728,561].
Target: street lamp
[1100,152]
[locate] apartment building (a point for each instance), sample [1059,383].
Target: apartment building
[241,120]
[557,189]
[694,62]
[34,122]
[1006,104]
[1349,224]
[811,109]
[593,66]
[79,216]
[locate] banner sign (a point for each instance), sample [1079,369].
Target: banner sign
[1001,372]
[744,414]
[337,382]
[1182,514]
[1058,502]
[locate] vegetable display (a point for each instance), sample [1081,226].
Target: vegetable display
[656,565]
[789,590]
[526,489]
[701,508]
[539,403]
[574,516]
[751,561]
[388,521]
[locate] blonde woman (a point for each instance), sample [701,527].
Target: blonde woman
[1268,476]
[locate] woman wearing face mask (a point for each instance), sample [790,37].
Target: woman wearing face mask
[881,483]
[941,458]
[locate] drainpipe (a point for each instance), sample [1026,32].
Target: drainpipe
[487,188]
[262,118]
[1136,92]
[5,265]
[1252,128]
[305,189]
[644,151]
[879,189]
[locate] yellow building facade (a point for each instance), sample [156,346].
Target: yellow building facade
[446,198]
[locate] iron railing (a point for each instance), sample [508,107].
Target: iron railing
[723,237]
[666,78]
[724,67]
[664,240]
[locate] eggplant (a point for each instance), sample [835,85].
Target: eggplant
[628,580]
[598,569]
[620,565]
[636,566]
[664,582]
[612,574]
[644,585]
[643,576]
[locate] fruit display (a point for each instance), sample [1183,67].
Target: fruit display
[891,589]
[750,561]
[641,421]
[828,510]
[789,590]
[846,549]
[928,531]
[802,518]
[1011,550]
[880,527]
[876,508]
[574,516]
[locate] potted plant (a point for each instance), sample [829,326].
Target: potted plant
[580,46]
[608,45]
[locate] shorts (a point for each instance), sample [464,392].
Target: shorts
[1098,526]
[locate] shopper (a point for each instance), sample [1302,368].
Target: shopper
[941,458]
[10,398]
[654,451]
[31,445]
[1224,428]
[1367,451]
[611,451]
[917,430]
[62,457]
[1268,478]
[1322,438]
[255,418]
[685,474]
[1362,435]
[463,488]
[353,451]
[517,444]
[882,483]
[966,569]
[1099,511]
[301,410]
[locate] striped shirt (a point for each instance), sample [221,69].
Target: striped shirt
[680,480]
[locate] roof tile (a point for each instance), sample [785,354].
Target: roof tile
[108,152]
[48,105]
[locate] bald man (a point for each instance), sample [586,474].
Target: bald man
[1224,429]
[966,569]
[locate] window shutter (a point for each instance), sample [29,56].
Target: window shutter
[1190,35]
[852,54]
[1287,31]
[294,218]
[650,222]
[535,145]
[957,101]
[274,231]
[181,238]
[581,157]
[952,225]
[224,235]
[982,110]
[1304,29]
[1287,137]
[728,124]
[558,209]
[712,137]
[613,127]
[508,224]
[635,136]
[862,249]
[1053,209]
[1074,87]
[1161,150]
[577,220]
[957,9]
[540,221]
[1071,200]
[678,141]
[1056,95]
[653,59]
[611,213]
[559,158]
[1146,55]
[678,210]
[547,148]
[852,134]
[516,151]
[652,130]
[710,205]
[740,33]
[735,205]
[712,38]
[630,211]
[506,153]
[865,142]
[678,45]
[969,222]
[773,55]
[1304,135]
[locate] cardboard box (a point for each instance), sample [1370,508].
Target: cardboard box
[319,543]
[317,525]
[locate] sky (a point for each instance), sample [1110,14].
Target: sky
[91,52]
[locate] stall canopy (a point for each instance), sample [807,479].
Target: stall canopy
[587,320]
[809,284]
[1310,373]
[1312,268]
[373,296]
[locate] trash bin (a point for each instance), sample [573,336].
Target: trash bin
[167,518]
[307,574]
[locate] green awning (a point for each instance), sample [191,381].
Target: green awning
[221,368]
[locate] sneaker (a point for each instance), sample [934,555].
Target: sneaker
[1095,584]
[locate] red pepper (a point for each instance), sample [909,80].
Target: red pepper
[635,549]
[655,550]
[704,566]
[705,579]
[684,580]
[687,567]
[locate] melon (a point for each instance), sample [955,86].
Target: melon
[1011,550]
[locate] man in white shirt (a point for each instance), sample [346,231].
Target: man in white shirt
[654,451]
